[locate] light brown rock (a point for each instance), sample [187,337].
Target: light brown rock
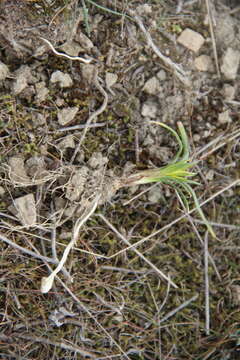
[190,39]
[224,117]
[4,71]
[17,171]
[228,92]
[62,78]
[66,115]
[152,86]
[231,60]
[26,210]
[203,63]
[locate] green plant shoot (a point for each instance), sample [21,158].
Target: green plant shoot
[176,174]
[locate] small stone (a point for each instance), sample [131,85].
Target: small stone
[144,9]
[230,63]
[26,210]
[36,167]
[203,63]
[3,71]
[224,117]
[88,71]
[2,191]
[110,79]
[196,137]
[154,195]
[23,77]
[191,40]
[59,102]
[38,119]
[97,160]
[228,92]
[161,75]
[149,109]
[152,86]
[66,115]
[71,48]
[41,92]
[67,143]
[75,185]
[63,79]
[19,84]
[209,175]
[84,41]
[17,170]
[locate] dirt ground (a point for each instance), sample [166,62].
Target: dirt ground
[82,85]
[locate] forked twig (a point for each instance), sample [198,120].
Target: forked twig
[180,73]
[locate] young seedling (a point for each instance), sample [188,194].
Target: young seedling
[176,174]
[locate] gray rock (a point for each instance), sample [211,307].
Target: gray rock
[154,195]
[23,77]
[190,39]
[230,63]
[224,117]
[203,63]
[228,92]
[75,186]
[110,79]
[3,71]
[152,86]
[26,210]
[88,71]
[66,115]
[71,48]
[161,75]
[63,79]
[149,109]
[41,92]
[2,191]
[17,170]
[97,160]
[67,142]
[38,119]
[84,41]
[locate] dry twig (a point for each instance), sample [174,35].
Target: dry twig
[180,74]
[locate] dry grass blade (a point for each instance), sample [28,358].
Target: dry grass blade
[159,272]
[69,57]
[210,19]
[180,307]
[206,277]
[47,282]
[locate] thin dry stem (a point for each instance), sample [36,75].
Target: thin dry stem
[43,340]
[206,278]
[159,272]
[210,19]
[180,307]
[88,312]
[69,57]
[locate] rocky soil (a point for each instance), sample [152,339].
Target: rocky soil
[82,85]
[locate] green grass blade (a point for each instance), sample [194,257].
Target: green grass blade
[189,189]
[175,134]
